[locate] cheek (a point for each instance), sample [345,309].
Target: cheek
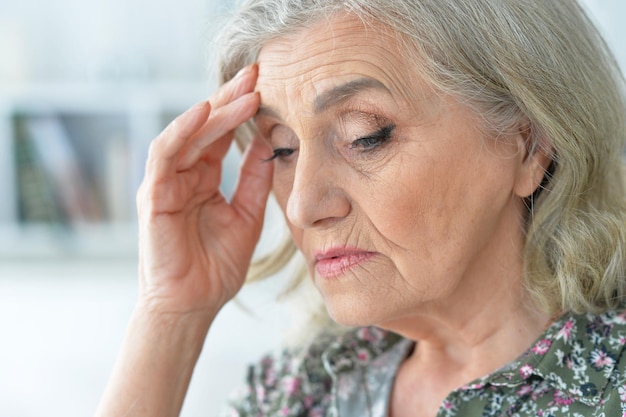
[430,206]
[401,210]
[396,198]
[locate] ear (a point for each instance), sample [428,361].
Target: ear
[537,156]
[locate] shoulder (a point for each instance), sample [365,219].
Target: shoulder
[576,368]
[581,360]
[584,351]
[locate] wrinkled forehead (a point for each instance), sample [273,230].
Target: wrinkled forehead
[333,52]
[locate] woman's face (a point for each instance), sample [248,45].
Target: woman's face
[395,196]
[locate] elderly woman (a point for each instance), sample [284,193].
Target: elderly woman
[451,172]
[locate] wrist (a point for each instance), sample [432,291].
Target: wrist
[165,309]
[161,324]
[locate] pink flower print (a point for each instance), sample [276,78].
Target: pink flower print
[371,334]
[363,355]
[622,340]
[561,398]
[474,386]
[291,385]
[566,330]
[622,393]
[307,401]
[542,347]
[448,405]
[363,333]
[526,371]
[270,377]
[524,390]
[600,358]
[284,411]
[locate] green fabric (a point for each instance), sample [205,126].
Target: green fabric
[576,368]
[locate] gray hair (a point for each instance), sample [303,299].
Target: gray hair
[539,63]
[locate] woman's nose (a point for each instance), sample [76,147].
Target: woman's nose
[318,195]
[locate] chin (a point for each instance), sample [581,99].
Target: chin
[350,311]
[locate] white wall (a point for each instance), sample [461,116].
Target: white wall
[62,323]
[96,40]
[104,40]
[611,16]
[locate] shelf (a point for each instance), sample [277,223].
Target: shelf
[71,159]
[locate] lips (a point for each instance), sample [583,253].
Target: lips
[336,262]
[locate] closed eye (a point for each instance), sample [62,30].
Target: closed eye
[375,140]
[280,153]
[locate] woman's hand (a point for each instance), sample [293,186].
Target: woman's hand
[195,246]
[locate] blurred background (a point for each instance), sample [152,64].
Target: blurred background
[84,86]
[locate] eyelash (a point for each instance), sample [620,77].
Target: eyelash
[367,143]
[375,140]
[280,153]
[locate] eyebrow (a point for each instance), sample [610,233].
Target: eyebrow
[334,96]
[343,92]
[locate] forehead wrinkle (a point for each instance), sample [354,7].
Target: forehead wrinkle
[328,85]
[309,62]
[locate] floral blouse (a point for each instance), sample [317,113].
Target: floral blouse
[576,368]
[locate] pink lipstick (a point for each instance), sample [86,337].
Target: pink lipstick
[335,262]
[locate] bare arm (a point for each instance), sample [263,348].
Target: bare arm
[195,249]
[155,365]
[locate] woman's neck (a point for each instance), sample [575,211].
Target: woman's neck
[456,344]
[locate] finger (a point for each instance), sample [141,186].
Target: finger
[216,152]
[222,121]
[166,146]
[176,135]
[240,84]
[255,181]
